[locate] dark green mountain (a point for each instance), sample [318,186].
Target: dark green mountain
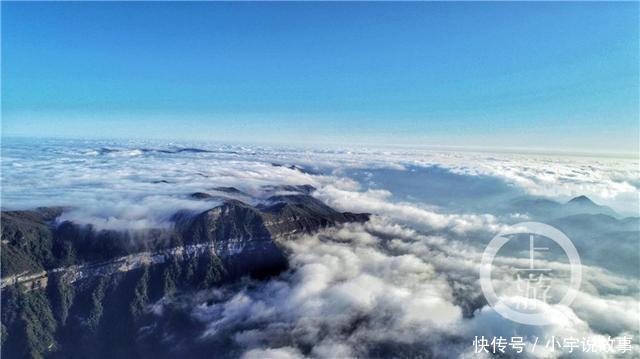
[72,291]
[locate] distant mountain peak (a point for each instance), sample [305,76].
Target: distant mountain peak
[582,200]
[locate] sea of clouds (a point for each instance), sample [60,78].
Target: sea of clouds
[381,289]
[404,284]
[72,172]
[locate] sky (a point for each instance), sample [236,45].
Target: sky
[552,76]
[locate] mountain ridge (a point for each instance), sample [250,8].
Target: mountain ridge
[545,208]
[35,237]
[85,292]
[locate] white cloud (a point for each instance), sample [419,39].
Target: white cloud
[379,202]
[278,353]
[400,281]
[361,287]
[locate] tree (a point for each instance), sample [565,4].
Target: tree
[61,296]
[140,295]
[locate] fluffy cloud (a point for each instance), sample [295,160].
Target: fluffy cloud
[345,296]
[380,288]
[404,284]
[379,202]
[62,172]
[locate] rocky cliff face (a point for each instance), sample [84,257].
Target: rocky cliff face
[58,278]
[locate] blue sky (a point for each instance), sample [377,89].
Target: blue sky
[537,75]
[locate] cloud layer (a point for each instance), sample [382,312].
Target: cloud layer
[404,284]
[71,172]
[381,289]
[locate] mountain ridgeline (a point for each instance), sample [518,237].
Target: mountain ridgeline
[73,291]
